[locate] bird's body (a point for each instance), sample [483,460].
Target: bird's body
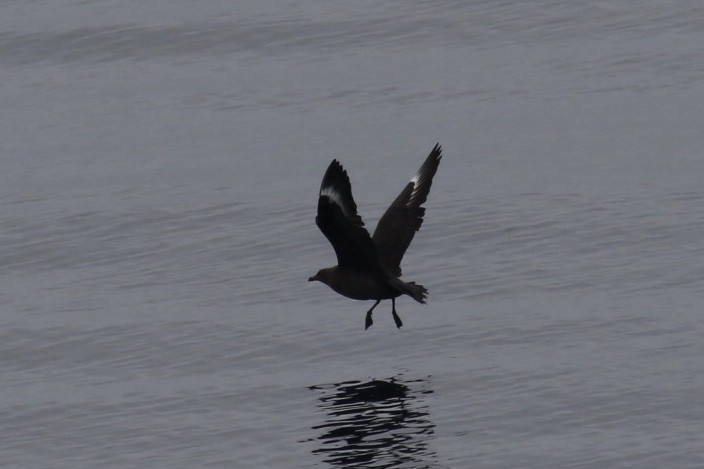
[357,285]
[369,266]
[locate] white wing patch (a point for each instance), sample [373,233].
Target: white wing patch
[334,196]
[416,185]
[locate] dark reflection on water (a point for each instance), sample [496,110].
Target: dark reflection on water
[380,423]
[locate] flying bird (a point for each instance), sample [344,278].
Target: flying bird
[369,267]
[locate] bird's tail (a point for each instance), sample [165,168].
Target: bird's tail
[412,289]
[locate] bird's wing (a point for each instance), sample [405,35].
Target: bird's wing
[338,220]
[403,218]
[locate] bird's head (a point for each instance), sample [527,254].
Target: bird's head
[322,276]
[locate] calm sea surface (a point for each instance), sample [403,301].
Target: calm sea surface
[159,168]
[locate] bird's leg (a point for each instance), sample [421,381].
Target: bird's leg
[397,319]
[369,321]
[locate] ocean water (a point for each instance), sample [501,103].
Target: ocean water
[160,163]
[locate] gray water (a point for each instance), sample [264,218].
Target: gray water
[160,166]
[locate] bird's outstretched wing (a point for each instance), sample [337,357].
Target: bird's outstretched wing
[403,218]
[338,220]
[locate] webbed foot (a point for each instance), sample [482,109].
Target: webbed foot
[397,319]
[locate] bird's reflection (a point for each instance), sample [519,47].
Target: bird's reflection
[380,423]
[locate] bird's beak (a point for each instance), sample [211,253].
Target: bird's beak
[313,278]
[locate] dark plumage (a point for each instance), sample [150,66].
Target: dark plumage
[368,268]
